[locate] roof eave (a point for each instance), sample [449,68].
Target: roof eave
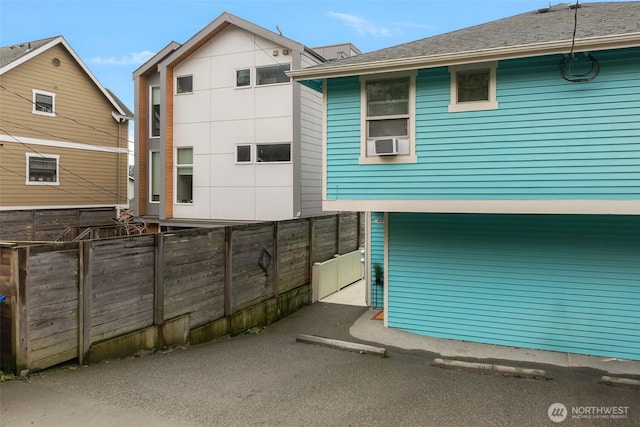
[468,57]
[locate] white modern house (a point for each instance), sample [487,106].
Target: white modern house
[223,133]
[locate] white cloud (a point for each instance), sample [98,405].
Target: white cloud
[136,58]
[361,25]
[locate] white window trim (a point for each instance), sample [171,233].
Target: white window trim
[150,171]
[401,158]
[251,155]
[175,175]
[192,84]
[53,103]
[47,156]
[251,78]
[490,104]
[151,111]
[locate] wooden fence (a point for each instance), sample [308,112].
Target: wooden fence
[98,299]
[47,224]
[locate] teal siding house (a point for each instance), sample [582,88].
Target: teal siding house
[500,167]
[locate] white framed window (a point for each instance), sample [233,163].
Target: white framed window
[184,175]
[154,176]
[273,153]
[243,78]
[43,169]
[243,154]
[473,87]
[184,84]
[272,74]
[154,112]
[388,118]
[44,103]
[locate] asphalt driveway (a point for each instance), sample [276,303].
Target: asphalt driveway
[270,379]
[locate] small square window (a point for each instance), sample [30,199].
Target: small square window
[473,87]
[270,153]
[243,78]
[272,75]
[243,153]
[42,169]
[43,103]
[184,84]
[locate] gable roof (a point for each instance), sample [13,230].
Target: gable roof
[151,64]
[220,23]
[16,55]
[541,32]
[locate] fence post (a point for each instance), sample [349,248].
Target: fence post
[228,254]
[276,259]
[20,337]
[158,280]
[86,273]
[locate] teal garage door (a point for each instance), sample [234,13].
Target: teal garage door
[568,283]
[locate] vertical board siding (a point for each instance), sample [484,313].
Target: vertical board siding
[122,285]
[251,284]
[53,304]
[563,283]
[194,275]
[293,254]
[325,241]
[548,139]
[377,257]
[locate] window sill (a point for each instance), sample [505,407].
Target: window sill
[473,106]
[388,160]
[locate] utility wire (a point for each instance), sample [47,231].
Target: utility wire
[30,101]
[104,148]
[93,184]
[58,188]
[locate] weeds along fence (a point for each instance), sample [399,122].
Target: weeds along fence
[108,298]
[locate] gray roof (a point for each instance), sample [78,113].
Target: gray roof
[542,26]
[8,54]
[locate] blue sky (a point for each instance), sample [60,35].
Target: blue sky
[114,37]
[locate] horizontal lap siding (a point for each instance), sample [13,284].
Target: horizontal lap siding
[549,139]
[563,283]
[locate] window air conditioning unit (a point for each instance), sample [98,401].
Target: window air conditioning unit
[385,147]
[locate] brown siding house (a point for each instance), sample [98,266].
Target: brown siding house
[63,136]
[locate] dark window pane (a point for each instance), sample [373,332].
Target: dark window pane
[185,84]
[473,85]
[393,127]
[243,153]
[273,152]
[243,78]
[155,111]
[44,103]
[42,169]
[388,97]
[272,75]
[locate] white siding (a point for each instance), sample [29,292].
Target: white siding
[218,116]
